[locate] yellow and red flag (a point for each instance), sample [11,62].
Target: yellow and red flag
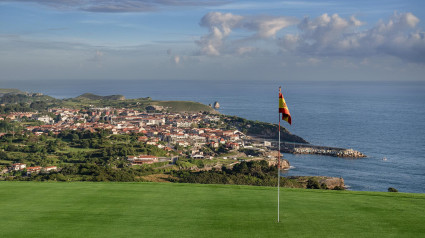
[286,116]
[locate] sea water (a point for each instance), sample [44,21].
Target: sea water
[384,120]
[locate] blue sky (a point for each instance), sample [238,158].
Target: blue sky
[223,40]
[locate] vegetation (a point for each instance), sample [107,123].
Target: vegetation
[261,129]
[16,100]
[91,96]
[188,210]
[81,155]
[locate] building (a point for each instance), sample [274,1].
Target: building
[18,166]
[33,170]
[142,159]
[50,168]
[45,119]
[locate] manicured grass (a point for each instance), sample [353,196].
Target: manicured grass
[31,209]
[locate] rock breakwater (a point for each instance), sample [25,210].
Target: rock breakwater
[330,152]
[320,150]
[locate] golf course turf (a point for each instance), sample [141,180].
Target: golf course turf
[83,209]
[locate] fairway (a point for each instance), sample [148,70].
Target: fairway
[80,209]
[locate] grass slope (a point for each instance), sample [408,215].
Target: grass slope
[30,209]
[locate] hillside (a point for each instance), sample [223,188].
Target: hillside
[13,96]
[262,129]
[4,91]
[187,106]
[86,100]
[32,209]
[91,96]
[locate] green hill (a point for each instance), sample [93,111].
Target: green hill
[31,209]
[184,106]
[91,96]
[10,91]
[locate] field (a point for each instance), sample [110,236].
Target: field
[31,209]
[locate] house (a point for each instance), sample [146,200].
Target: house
[45,119]
[50,168]
[18,166]
[33,170]
[214,144]
[142,159]
[183,143]
[233,146]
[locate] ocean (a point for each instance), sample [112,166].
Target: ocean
[384,120]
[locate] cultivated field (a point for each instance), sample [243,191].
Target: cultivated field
[79,209]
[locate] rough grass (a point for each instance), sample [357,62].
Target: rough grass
[31,209]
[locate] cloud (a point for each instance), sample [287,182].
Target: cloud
[220,26]
[268,26]
[113,6]
[333,35]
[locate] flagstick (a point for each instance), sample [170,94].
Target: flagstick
[278,175]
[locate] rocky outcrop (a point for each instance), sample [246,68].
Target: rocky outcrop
[216,105]
[322,181]
[284,163]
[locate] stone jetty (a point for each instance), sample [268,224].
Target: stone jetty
[295,148]
[331,152]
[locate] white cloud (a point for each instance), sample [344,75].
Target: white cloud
[334,35]
[267,27]
[221,25]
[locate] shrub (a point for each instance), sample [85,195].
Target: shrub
[338,188]
[392,190]
[312,184]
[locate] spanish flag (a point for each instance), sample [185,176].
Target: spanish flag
[286,116]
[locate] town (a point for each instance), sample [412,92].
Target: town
[184,135]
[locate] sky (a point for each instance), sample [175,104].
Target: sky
[212,40]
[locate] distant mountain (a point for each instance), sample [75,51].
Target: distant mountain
[92,96]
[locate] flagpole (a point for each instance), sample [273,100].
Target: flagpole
[278,173]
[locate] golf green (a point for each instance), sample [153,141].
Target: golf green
[82,209]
